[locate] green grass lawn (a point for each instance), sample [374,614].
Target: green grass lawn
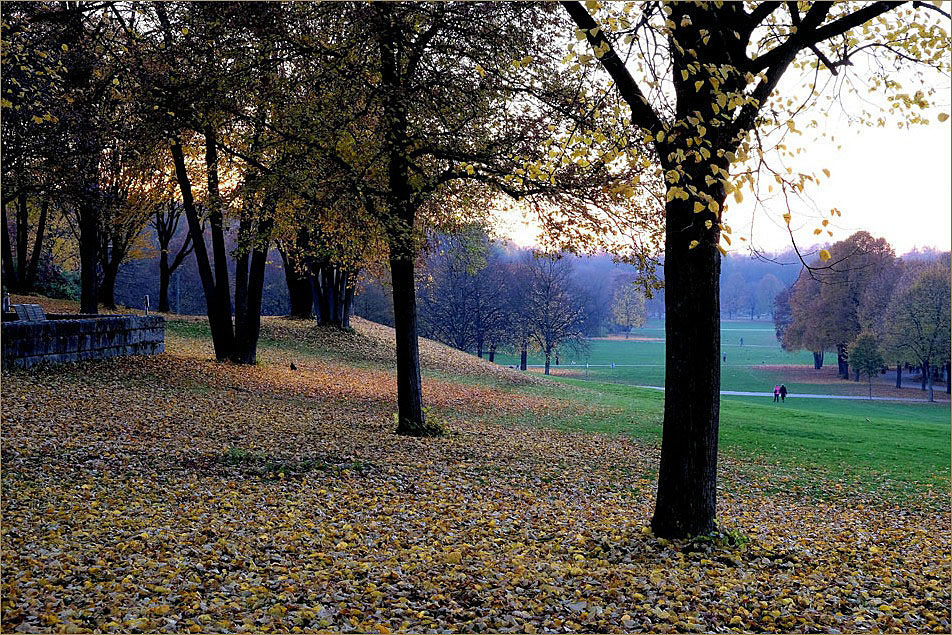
[754,367]
[893,449]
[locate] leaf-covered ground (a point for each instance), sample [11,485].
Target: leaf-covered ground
[176,494]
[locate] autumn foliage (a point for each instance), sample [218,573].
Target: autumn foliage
[177,494]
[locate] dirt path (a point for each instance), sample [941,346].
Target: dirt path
[742,393]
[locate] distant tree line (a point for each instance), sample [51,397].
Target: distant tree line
[864,302]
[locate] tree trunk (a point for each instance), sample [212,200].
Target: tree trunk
[88,255]
[241,272]
[409,385]
[9,267]
[248,329]
[687,481]
[931,391]
[219,321]
[548,353]
[843,366]
[22,232]
[107,289]
[299,287]
[479,348]
[165,277]
[856,375]
[349,293]
[523,355]
[30,280]
[216,223]
[925,371]
[898,375]
[492,353]
[817,360]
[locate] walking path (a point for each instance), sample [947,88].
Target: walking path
[741,393]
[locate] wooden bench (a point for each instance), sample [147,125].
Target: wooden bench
[29,312]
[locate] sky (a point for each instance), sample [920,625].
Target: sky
[895,183]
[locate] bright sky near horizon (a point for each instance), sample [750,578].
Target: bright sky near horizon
[893,183]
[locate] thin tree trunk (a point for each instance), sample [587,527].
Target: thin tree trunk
[548,353]
[817,360]
[22,229]
[165,277]
[898,375]
[523,354]
[88,255]
[30,280]
[349,293]
[492,353]
[9,267]
[931,391]
[925,371]
[241,272]
[216,222]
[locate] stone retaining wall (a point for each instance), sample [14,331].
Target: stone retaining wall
[71,339]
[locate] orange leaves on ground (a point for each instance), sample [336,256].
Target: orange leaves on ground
[176,494]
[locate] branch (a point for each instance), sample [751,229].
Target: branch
[810,33]
[760,13]
[642,114]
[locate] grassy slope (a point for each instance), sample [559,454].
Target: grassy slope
[894,449]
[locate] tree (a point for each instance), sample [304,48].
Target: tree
[809,326]
[734,294]
[917,323]
[865,357]
[700,79]
[628,307]
[415,100]
[165,223]
[553,309]
[766,293]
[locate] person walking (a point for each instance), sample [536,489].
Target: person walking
[776,393]
[783,393]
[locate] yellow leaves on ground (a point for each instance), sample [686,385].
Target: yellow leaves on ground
[176,494]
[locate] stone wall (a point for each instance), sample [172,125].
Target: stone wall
[70,339]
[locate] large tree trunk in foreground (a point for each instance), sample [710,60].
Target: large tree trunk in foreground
[687,481]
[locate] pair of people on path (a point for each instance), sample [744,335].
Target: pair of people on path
[779,393]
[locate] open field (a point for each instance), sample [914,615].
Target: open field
[756,366]
[173,493]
